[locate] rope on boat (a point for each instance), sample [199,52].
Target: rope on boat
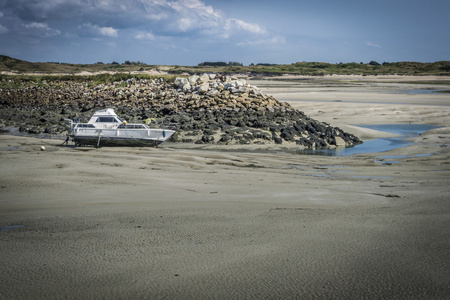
[99,137]
[66,141]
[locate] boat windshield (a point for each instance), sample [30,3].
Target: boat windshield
[106,120]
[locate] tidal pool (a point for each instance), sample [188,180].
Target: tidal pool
[378,145]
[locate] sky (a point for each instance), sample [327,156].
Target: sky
[188,32]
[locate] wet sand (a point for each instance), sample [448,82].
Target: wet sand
[221,223]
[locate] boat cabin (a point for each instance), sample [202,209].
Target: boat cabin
[105,116]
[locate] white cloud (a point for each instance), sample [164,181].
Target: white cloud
[370,44]
[183,6]
[144,36]
[185,24]
[3,29]
[40,29]
[142,20]
[241,25]
[163,17]
[97,30]
[186,16]
[107,31]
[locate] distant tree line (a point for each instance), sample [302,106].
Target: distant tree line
[127,62]
[264,64]
[219,64]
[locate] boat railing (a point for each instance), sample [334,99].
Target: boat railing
[132,126]
[85,125]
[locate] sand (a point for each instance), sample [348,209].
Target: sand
[224,223]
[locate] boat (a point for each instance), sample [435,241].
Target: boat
[106,128]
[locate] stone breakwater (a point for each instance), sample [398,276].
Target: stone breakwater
[206,109]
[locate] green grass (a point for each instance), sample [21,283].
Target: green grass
[322,69]
[20,67]
[21,81]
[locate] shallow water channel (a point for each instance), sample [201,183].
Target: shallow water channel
[378,145]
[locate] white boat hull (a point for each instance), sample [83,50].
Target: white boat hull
[111,141]
[121,137]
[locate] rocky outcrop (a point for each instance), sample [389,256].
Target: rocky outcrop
[202,109]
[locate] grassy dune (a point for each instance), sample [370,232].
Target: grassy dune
[16,66]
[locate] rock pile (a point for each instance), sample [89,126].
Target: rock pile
[202,109]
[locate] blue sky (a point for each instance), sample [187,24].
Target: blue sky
[188,32]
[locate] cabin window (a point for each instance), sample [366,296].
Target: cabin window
[106,120]
[85,126]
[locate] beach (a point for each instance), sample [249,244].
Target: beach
[241,222]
